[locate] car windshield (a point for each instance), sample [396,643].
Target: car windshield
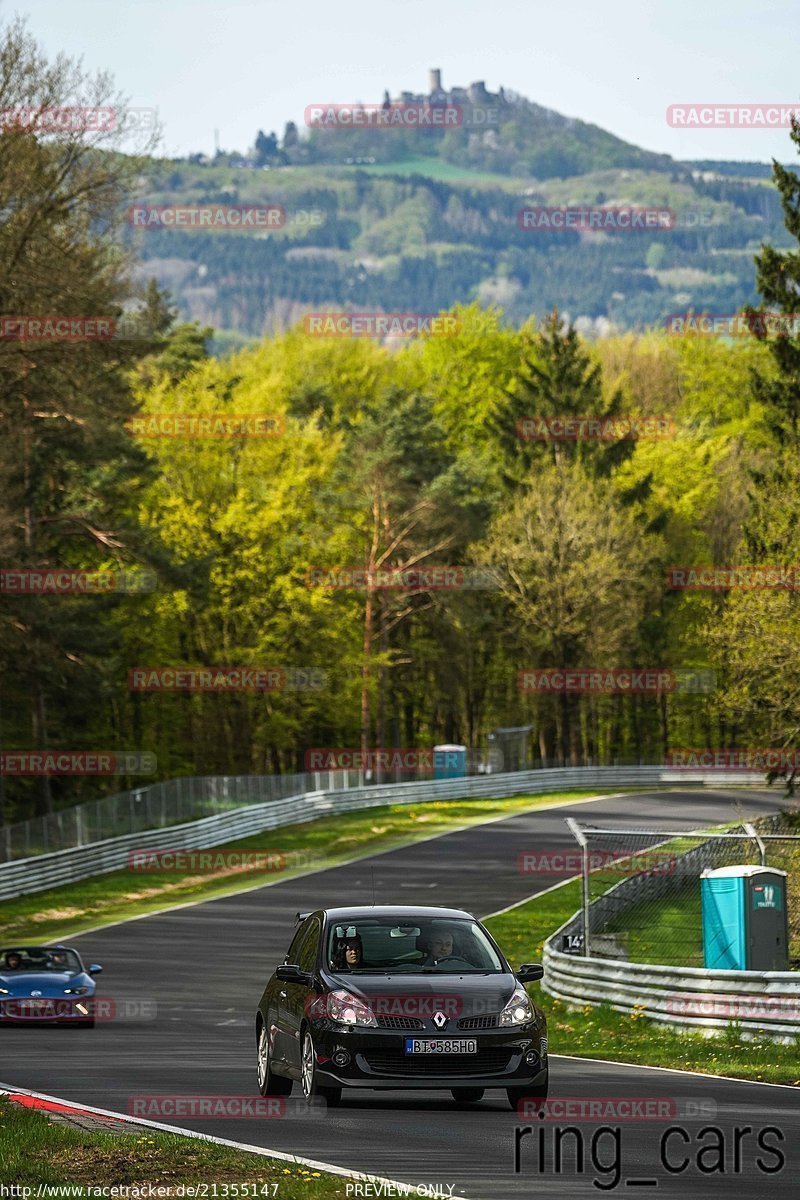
[38,958]
[440,946]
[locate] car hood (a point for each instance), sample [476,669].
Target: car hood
[49,983]
[461,995]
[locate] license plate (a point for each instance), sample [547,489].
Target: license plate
[441,1045]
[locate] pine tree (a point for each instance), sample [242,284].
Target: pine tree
[778,281]
[556,378]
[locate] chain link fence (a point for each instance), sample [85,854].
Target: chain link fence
[174,801]
[641,887]
[154,806]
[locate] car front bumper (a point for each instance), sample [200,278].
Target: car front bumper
[377,1059]
[46,1011]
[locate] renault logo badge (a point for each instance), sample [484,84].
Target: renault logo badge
[439,1020]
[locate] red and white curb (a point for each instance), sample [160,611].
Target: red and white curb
[69,1109]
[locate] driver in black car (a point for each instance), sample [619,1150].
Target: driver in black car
[440,946]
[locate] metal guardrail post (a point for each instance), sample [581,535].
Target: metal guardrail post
[762,847]
[583,842]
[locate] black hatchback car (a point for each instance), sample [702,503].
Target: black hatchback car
[399,997]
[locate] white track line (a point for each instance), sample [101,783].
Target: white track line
[533,896]
[613,1062]
[331,1168]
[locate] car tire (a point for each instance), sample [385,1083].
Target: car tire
[269,1084]
[467,1095]
[515,1094]
[308,1076]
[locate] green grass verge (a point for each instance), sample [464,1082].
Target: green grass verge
[668,931]
[438,169]
[600,1032]
[61,912]
[35,1151]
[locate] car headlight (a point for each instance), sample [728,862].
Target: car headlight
[519,1009]
[347,1008]
[78,991]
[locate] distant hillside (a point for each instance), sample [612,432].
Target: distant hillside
[397,220]
[499,132]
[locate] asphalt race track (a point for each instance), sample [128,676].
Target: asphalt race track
[205,967]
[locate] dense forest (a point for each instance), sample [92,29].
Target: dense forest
[373,458]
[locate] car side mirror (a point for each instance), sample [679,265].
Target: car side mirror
[292,974]
[528,972]
[95,969]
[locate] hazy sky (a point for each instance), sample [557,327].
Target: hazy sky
[241,65]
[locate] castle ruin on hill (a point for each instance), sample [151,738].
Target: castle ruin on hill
[475,94]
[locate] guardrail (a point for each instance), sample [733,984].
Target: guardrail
[151,806]
[36,874]
[759,1001]
[765,1001]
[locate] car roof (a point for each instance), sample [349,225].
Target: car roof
[395,912]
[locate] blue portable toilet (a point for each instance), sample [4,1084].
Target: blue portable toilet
[449,762]
[745,922]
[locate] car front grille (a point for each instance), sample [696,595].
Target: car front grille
[400,1022]
[22,1008]
[393,1062]
[487,1022]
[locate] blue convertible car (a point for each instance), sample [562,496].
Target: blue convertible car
[46,984]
